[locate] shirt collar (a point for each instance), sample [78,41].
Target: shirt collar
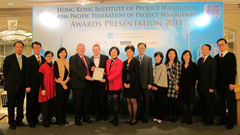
[205,57]
[98,56]
[18,55]
[224,53]
[36,55]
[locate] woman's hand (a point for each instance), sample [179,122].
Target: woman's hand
[43,93]
[63,83]
[103,80]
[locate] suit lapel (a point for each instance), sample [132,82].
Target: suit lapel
[16,61]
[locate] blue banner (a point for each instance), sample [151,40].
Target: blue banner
[161,26]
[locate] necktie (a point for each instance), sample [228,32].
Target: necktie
[140,60]
[221,55]
[96,57]
[203,60]
[20,63]
[88,74]
[39,62]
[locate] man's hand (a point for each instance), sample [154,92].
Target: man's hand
[211,90]
[176,88]
[28,89]
[43,93]
[93,67]
[231,87]
[149,86]
[89,78]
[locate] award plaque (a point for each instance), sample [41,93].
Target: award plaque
[98,73]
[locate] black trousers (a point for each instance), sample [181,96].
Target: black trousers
[33,107]
[159,101]
[47,111]
[62,103]
[226,95]
[15,99]
[99,98]
[143,103]
[206,100]
[81,99]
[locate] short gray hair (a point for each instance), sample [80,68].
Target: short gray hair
[80,44]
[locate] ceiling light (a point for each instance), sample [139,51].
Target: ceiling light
[151,1]
[10,3]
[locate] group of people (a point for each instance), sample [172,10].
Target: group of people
[44,81]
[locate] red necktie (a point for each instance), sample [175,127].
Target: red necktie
[221,55]
[88,74]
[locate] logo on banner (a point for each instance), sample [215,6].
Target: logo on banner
[212,10]
[125,42]
[101,43]
[150,42]
[110,34]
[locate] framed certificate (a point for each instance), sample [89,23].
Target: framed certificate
[98,73]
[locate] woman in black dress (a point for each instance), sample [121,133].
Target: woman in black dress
[131,83]
[62,72]
[187,85]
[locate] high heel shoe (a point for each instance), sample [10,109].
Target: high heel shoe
[133,123]
[184,120]
[115,123]
[174,119]
[128,121]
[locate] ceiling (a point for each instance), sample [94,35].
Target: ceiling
[30,3]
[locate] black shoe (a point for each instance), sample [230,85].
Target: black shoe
[133,123]
[115,121]
[66,122]
[174,119]
[200,120]
[184,120]
[221,123]
[88,121]
[145,121]
[38,123]
[31,125]
[189,121]
[12,125]
[208,123]
[78,123]
[170,118]
[21,124]
[47,125]
[112,121]
[97,119]
[230,126]
[105,118]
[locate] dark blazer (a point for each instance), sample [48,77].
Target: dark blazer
[102,64]
[78,71]
[207,74]
[134,71]
[226,73]
[146,71]
[32,77]
[12,73]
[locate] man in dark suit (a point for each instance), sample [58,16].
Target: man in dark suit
[98,92]
[207,76]
[33,84]
[80,76]
[146,80]
[226,75]
[14,68]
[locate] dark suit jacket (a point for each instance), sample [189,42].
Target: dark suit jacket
[32,77]
[146,71]
[207,74]
[12,73]
[78,71]
[134,71]
[102,64]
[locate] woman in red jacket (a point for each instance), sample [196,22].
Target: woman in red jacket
[113,78]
